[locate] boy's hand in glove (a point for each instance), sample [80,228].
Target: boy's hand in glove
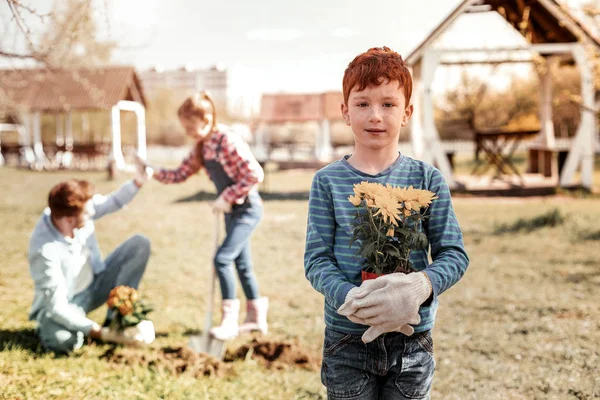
[142,333]
[387,303]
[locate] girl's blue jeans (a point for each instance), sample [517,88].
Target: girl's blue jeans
[393,366]
[235,249]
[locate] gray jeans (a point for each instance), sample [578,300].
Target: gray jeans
[124,266]
[393,366]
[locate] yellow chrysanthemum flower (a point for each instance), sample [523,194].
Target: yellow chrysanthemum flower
[389,209]
[399,193]
[425,197]
[411,193]
[369,189]
[355,200]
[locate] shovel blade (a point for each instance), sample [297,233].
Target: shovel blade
[208,345]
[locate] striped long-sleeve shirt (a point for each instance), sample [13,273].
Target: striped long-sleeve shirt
[235,157]
[333,268]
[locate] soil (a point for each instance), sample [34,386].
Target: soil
[276,355]
[180,360]
[176,360]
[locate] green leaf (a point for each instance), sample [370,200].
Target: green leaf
[367,249]
[421,241]
[392,251]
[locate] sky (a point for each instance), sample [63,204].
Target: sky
[289,46]
[270,46]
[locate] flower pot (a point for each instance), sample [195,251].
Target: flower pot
[368,275]
[365,276]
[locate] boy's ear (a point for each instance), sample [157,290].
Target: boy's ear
[407,114]
[345,115]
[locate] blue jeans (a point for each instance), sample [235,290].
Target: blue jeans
[239,224]
[393,366]
[124,266]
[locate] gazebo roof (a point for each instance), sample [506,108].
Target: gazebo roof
[540,21]
[45,90]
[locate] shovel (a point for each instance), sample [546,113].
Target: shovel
[206,343]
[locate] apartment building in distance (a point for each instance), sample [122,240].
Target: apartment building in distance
[188,80]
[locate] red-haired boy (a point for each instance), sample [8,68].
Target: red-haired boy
[377,338]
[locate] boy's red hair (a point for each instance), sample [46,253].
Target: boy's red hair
[373,67]
[67,199]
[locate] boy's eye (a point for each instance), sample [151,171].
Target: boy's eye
[388,105]
[362,104]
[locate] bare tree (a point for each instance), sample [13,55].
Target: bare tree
[473,105]
[66,35]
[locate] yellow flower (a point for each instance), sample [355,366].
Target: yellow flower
[390,232]
[412,193]
[355,200]
[388,208]
[399,193]
[361,188]
[369,189]
[425,197]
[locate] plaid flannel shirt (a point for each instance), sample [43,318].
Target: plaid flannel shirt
[235,157]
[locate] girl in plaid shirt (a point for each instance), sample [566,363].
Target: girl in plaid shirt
[236,174]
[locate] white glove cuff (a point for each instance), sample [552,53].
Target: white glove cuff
[351,293]
[421,286]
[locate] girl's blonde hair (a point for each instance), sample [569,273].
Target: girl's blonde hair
[195,106]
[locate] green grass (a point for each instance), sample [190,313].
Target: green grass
[523,323]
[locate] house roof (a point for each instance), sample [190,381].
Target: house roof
[45,90]
[540,21]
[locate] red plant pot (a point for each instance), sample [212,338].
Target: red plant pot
[368,275]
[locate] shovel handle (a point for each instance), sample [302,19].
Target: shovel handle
[213,278]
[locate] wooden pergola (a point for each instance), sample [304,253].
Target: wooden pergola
[33,92]
[552,33]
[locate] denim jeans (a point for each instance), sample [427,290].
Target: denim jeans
[124,266]
[239,224]
[393,366]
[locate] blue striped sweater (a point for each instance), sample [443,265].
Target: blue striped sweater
[333,268]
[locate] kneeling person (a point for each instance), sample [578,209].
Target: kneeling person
[70,276]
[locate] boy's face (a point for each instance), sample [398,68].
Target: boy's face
[376,115]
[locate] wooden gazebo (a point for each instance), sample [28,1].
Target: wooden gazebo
[550,32]
[33,92]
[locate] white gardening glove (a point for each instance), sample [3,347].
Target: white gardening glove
[358,293]
[391,302]
[142,333]
[221,205]
[114,336]
[143,172]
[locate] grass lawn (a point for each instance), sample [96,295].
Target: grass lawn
[523,323]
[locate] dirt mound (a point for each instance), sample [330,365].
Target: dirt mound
[277,355]
[177,360]
[183,360]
